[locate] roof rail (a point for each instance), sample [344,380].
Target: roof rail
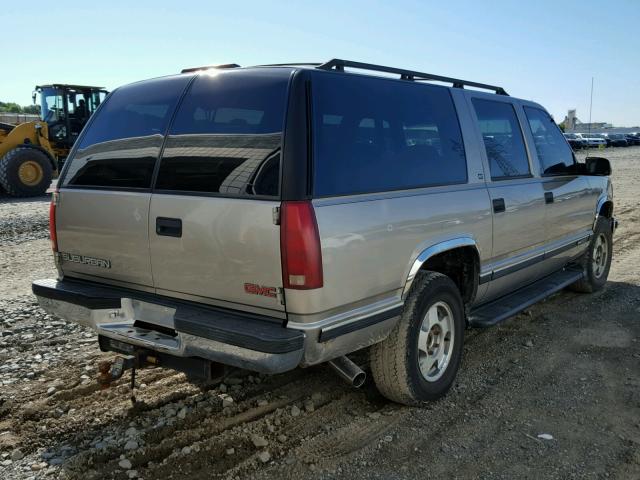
[339,65]
[195,69]
[292,64]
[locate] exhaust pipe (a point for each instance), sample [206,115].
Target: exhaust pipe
[349,371]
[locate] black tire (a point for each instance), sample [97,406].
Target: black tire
[395,361]
[10,167]
[593,279]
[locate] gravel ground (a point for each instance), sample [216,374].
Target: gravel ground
[551,393]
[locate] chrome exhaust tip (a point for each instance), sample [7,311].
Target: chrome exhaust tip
[348,371]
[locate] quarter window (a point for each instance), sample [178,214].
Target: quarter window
[554,153]
[502,139]
[375,134]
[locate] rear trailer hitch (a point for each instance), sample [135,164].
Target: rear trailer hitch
[110,371]
[196,369]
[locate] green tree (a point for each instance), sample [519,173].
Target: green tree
[562,126]
[33,109]
[10,107]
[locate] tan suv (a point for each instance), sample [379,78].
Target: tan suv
[282,216]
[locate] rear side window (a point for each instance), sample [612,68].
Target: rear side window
[502,139]
[373,135]
[226,137]
[554,153]
[122,143]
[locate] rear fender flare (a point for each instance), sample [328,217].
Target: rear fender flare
[430,252]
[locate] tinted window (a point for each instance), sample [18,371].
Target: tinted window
[502,139]
[376,134]
[554,153]
[122,143]
[226,135]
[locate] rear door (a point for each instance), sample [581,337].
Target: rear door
[516,195]
[105,190]
[213,237]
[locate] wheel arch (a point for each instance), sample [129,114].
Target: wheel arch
[604,208]
[457,258]
[52,160]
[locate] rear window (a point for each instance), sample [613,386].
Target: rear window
[120,147]
[373,135]
[227,135]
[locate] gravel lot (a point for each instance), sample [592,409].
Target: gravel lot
[551,393]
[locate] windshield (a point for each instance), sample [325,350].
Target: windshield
[81,103]
[51,109]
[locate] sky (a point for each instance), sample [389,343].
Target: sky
[543,50]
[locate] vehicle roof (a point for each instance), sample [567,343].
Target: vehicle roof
[66,85]
[377,71]
[339,66]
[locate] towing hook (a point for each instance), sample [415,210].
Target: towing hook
[111,371]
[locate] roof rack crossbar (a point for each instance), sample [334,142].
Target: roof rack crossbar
[339,65]
[206,67]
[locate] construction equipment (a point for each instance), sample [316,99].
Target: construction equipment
[32,153]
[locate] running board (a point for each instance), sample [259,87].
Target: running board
[505,307]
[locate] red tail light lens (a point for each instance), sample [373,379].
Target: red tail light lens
[52,221]
[300,247]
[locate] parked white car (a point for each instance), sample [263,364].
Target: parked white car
[593,139]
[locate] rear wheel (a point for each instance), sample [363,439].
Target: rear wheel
[597,259]
[25,172]
[419,359]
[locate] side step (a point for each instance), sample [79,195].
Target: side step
[505,307]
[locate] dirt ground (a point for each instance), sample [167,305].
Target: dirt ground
[568,367]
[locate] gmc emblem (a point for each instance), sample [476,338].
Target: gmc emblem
[254,289]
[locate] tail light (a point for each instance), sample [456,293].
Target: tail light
[52,221]
[300,247]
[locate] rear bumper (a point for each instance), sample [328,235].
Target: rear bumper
[175,328]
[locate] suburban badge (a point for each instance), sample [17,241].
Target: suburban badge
[94,262]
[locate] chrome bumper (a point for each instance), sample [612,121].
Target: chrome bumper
[176,331]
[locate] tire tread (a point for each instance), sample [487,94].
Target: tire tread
[389,358]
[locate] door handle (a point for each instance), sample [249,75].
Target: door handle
[498,205]
[169,227]
[548,197]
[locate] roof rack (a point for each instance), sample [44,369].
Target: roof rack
[292,64]
[206,67]
[339,65]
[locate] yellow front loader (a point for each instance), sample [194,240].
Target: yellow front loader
[32,153]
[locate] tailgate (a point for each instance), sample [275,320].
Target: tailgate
[104,235]
[102,213]
[228,250]
[213,237]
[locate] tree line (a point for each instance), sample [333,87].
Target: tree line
[12,107]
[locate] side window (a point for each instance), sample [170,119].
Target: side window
[122,143]
[226,136]
[375,135]
[554,153]
[502,139]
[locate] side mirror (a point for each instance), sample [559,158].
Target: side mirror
[33,97]
[598,166]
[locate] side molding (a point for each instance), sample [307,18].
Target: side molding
[431,251]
